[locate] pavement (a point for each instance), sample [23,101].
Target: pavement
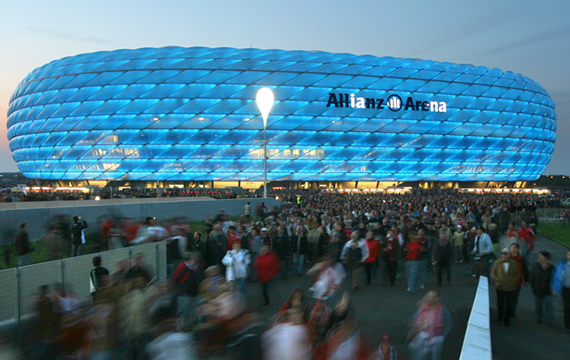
[382,309]
[525,339]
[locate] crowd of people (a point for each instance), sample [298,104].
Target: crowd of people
[9,195]
[344,241]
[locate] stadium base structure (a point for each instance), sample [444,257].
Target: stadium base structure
[257,186]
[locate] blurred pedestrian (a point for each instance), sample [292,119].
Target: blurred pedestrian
[459,244]
[413,256]
[506,274]
[528,236]
[540,279]
[176,246]
[198,244]
[78,236]
[390,255]
[95,275]
[236,262]
[289,339]
[354,253]
[430,324]
[247,210]
[322,242]
[46,325]
[135,322]
[443,254]
[561,287]
[386,351]
[23,246]
[267,238]
[266,266]
[371,262]
[524,274]
[137,269]
[186,280]
[483,249]
[299,249]
[232,237]
[343,340]
[53,244]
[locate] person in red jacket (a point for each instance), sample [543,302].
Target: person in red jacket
[523,277]
[527,235]
[232,237]
[371,261]
[413,256]
[266,266]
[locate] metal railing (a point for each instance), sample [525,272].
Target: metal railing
[551,215]
[19,286]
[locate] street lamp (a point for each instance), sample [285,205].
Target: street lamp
[265,100]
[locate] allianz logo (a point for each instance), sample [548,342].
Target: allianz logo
[393,102]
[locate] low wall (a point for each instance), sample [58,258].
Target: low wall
[38,215]
[19,286]
[477,342]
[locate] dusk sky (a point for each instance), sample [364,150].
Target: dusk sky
[527,37]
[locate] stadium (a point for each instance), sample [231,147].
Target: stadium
[184,117]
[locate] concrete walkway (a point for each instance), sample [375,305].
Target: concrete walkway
[388,309]
[525,339]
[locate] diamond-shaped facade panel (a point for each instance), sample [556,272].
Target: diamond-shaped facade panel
[190,114]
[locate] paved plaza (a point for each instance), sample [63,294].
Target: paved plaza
[382,309]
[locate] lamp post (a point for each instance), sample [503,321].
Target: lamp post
[265,100]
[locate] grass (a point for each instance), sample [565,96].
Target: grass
[556,232]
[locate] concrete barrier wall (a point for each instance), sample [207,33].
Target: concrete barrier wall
[477,342]
[19,287]
[38,215]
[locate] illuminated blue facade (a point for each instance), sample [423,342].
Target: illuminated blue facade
[189,114]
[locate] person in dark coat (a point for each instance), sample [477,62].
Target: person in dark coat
[342,238]
[322,242]
[96,284]
[199,245]
[23,247]
[186,280]
[299,248]
[443,253]
[282,246]
[540,278]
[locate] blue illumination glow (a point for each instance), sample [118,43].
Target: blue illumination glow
[189,114]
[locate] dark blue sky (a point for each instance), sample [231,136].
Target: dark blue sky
[527,37]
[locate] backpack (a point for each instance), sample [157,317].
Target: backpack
[172,251]
[190,285]
[354,256]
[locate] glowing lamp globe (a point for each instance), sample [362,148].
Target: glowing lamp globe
[265,100]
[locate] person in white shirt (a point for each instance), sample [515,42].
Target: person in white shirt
[176,243]
[353,254]
[237,261]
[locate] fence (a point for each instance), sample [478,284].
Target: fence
[19,287]
[552,215]
[477,342]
